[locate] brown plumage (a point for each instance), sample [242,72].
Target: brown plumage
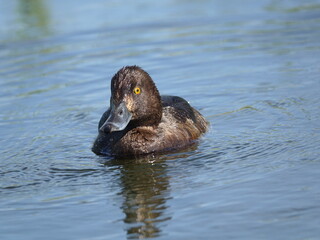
[139,121]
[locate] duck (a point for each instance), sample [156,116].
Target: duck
[140,122]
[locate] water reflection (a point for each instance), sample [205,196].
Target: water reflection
[145,190]
[34,17]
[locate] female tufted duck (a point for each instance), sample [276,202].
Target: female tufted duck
[139,121]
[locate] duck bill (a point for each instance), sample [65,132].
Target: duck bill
[118,119]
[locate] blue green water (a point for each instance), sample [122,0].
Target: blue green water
[251,68]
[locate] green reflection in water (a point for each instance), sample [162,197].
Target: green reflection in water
[34,19]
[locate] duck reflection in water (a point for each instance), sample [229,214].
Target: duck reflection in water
[145,190]
[145,187]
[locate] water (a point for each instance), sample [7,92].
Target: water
[252,69]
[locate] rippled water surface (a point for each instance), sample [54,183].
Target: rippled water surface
[251,68]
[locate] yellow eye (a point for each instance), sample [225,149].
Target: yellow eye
[137,90]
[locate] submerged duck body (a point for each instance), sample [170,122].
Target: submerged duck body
[140,121]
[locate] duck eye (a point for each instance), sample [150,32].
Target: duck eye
[137,90]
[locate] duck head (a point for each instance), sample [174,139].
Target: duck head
[134,99]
